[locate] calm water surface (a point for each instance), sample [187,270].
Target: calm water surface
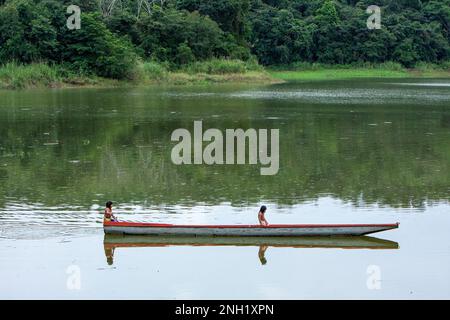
[366,151]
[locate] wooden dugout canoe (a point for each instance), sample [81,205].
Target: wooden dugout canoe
[274,230]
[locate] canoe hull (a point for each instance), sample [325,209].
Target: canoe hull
[245,230]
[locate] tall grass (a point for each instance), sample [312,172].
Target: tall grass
[446,65]
[154,70]
[222,66]
[314,66]
[429,67]
[18,76]
[388,66]
[164,72]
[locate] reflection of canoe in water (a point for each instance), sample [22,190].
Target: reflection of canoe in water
[274,230]
[113,241]
[364,242]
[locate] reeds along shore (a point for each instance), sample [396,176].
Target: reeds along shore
[42,75]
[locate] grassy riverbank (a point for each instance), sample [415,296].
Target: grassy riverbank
[312,72]
[41,75]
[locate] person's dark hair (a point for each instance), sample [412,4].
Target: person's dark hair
[109,204]
[263,209]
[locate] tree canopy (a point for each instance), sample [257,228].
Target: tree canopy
[184,31]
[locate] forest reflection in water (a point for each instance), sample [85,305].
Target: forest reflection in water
[364,142]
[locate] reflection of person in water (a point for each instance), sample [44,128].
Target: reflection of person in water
[109,253]
[261,253]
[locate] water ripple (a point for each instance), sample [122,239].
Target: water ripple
[335,96]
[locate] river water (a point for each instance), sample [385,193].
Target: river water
[364,151]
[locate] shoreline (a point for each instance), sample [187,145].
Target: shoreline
[44,76]
[174,79]
[357,73]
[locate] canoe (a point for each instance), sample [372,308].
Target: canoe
[135,241]
[273,230]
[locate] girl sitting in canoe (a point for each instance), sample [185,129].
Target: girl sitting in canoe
[108,212]
[261,218]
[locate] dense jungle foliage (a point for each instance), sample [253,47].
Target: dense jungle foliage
[116,34]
